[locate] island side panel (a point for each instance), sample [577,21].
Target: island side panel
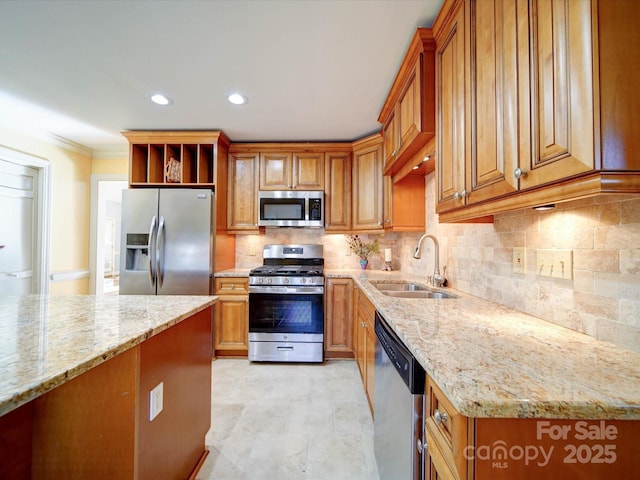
[512,448]
[15,443]
[85,428]
[171,445]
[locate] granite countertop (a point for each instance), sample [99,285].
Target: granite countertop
[46,340]
[492,361]
[234,272]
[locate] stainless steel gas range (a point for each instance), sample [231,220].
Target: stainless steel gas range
[286,305]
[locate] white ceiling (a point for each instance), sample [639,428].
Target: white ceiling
[312,69]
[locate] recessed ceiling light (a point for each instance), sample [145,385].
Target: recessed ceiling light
[237,99]
[160,99]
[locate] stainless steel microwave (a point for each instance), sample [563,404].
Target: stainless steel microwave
[291,208]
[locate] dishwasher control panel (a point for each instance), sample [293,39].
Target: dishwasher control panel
[403,360]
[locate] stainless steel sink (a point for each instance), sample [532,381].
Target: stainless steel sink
[398,287]
[409,290]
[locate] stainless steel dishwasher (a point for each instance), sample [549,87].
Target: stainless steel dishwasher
[398,407]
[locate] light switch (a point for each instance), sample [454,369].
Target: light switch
[555,263]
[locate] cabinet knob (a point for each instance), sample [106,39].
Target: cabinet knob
[394,153]
[518,172]
[422,447]
[440,417]
[460,195]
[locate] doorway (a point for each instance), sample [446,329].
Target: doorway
[25,218]
[106,214]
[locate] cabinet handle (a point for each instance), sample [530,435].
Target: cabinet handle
[422,447]
[394,153]
[518,172]
[440,417]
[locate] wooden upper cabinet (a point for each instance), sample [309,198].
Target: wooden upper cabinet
[452,140]
[495,51]
[275,171]
[337,212]
[177,158]
[292,171]
[408,114]
[561,119]
[529,109]
[367,186]
[242,208]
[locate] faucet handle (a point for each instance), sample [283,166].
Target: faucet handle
[430,279]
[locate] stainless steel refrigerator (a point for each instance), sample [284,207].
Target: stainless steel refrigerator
[168,237]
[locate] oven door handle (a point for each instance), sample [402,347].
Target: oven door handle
[279,290]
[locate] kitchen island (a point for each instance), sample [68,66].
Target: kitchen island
[77,376]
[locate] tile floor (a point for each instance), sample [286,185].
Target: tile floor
[289,422]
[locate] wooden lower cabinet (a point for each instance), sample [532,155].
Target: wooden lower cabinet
[365,337]
[463,448]
[338,319]
[231,317]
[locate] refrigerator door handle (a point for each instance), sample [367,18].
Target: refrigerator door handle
[160,252]
[151,246]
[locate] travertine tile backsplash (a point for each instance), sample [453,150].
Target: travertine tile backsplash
[602,299]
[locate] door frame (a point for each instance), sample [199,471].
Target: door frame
[96,269]
[43,213]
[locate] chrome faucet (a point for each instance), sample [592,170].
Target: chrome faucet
[437,280]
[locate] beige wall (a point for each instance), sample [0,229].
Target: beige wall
[110,166]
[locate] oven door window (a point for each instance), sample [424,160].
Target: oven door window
[286,313]
[282,209]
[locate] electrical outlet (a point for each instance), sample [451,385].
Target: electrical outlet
[519,260]
[252,249]
[555,263]
[155,401]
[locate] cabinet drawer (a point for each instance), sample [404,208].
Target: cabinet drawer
[447,429]
[231,286]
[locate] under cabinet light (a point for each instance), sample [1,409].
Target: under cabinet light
[542,208]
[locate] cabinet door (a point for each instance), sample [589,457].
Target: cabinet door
[452,134]
[561,119]
[231,325]
[370,360]
[367,188]
[409,108]
[242,207]
[390,139]
[338,320]
[338,192]
[275,171]
[308,171]
[494,54]
[408,204]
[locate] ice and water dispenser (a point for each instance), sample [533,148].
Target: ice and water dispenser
[137,251]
